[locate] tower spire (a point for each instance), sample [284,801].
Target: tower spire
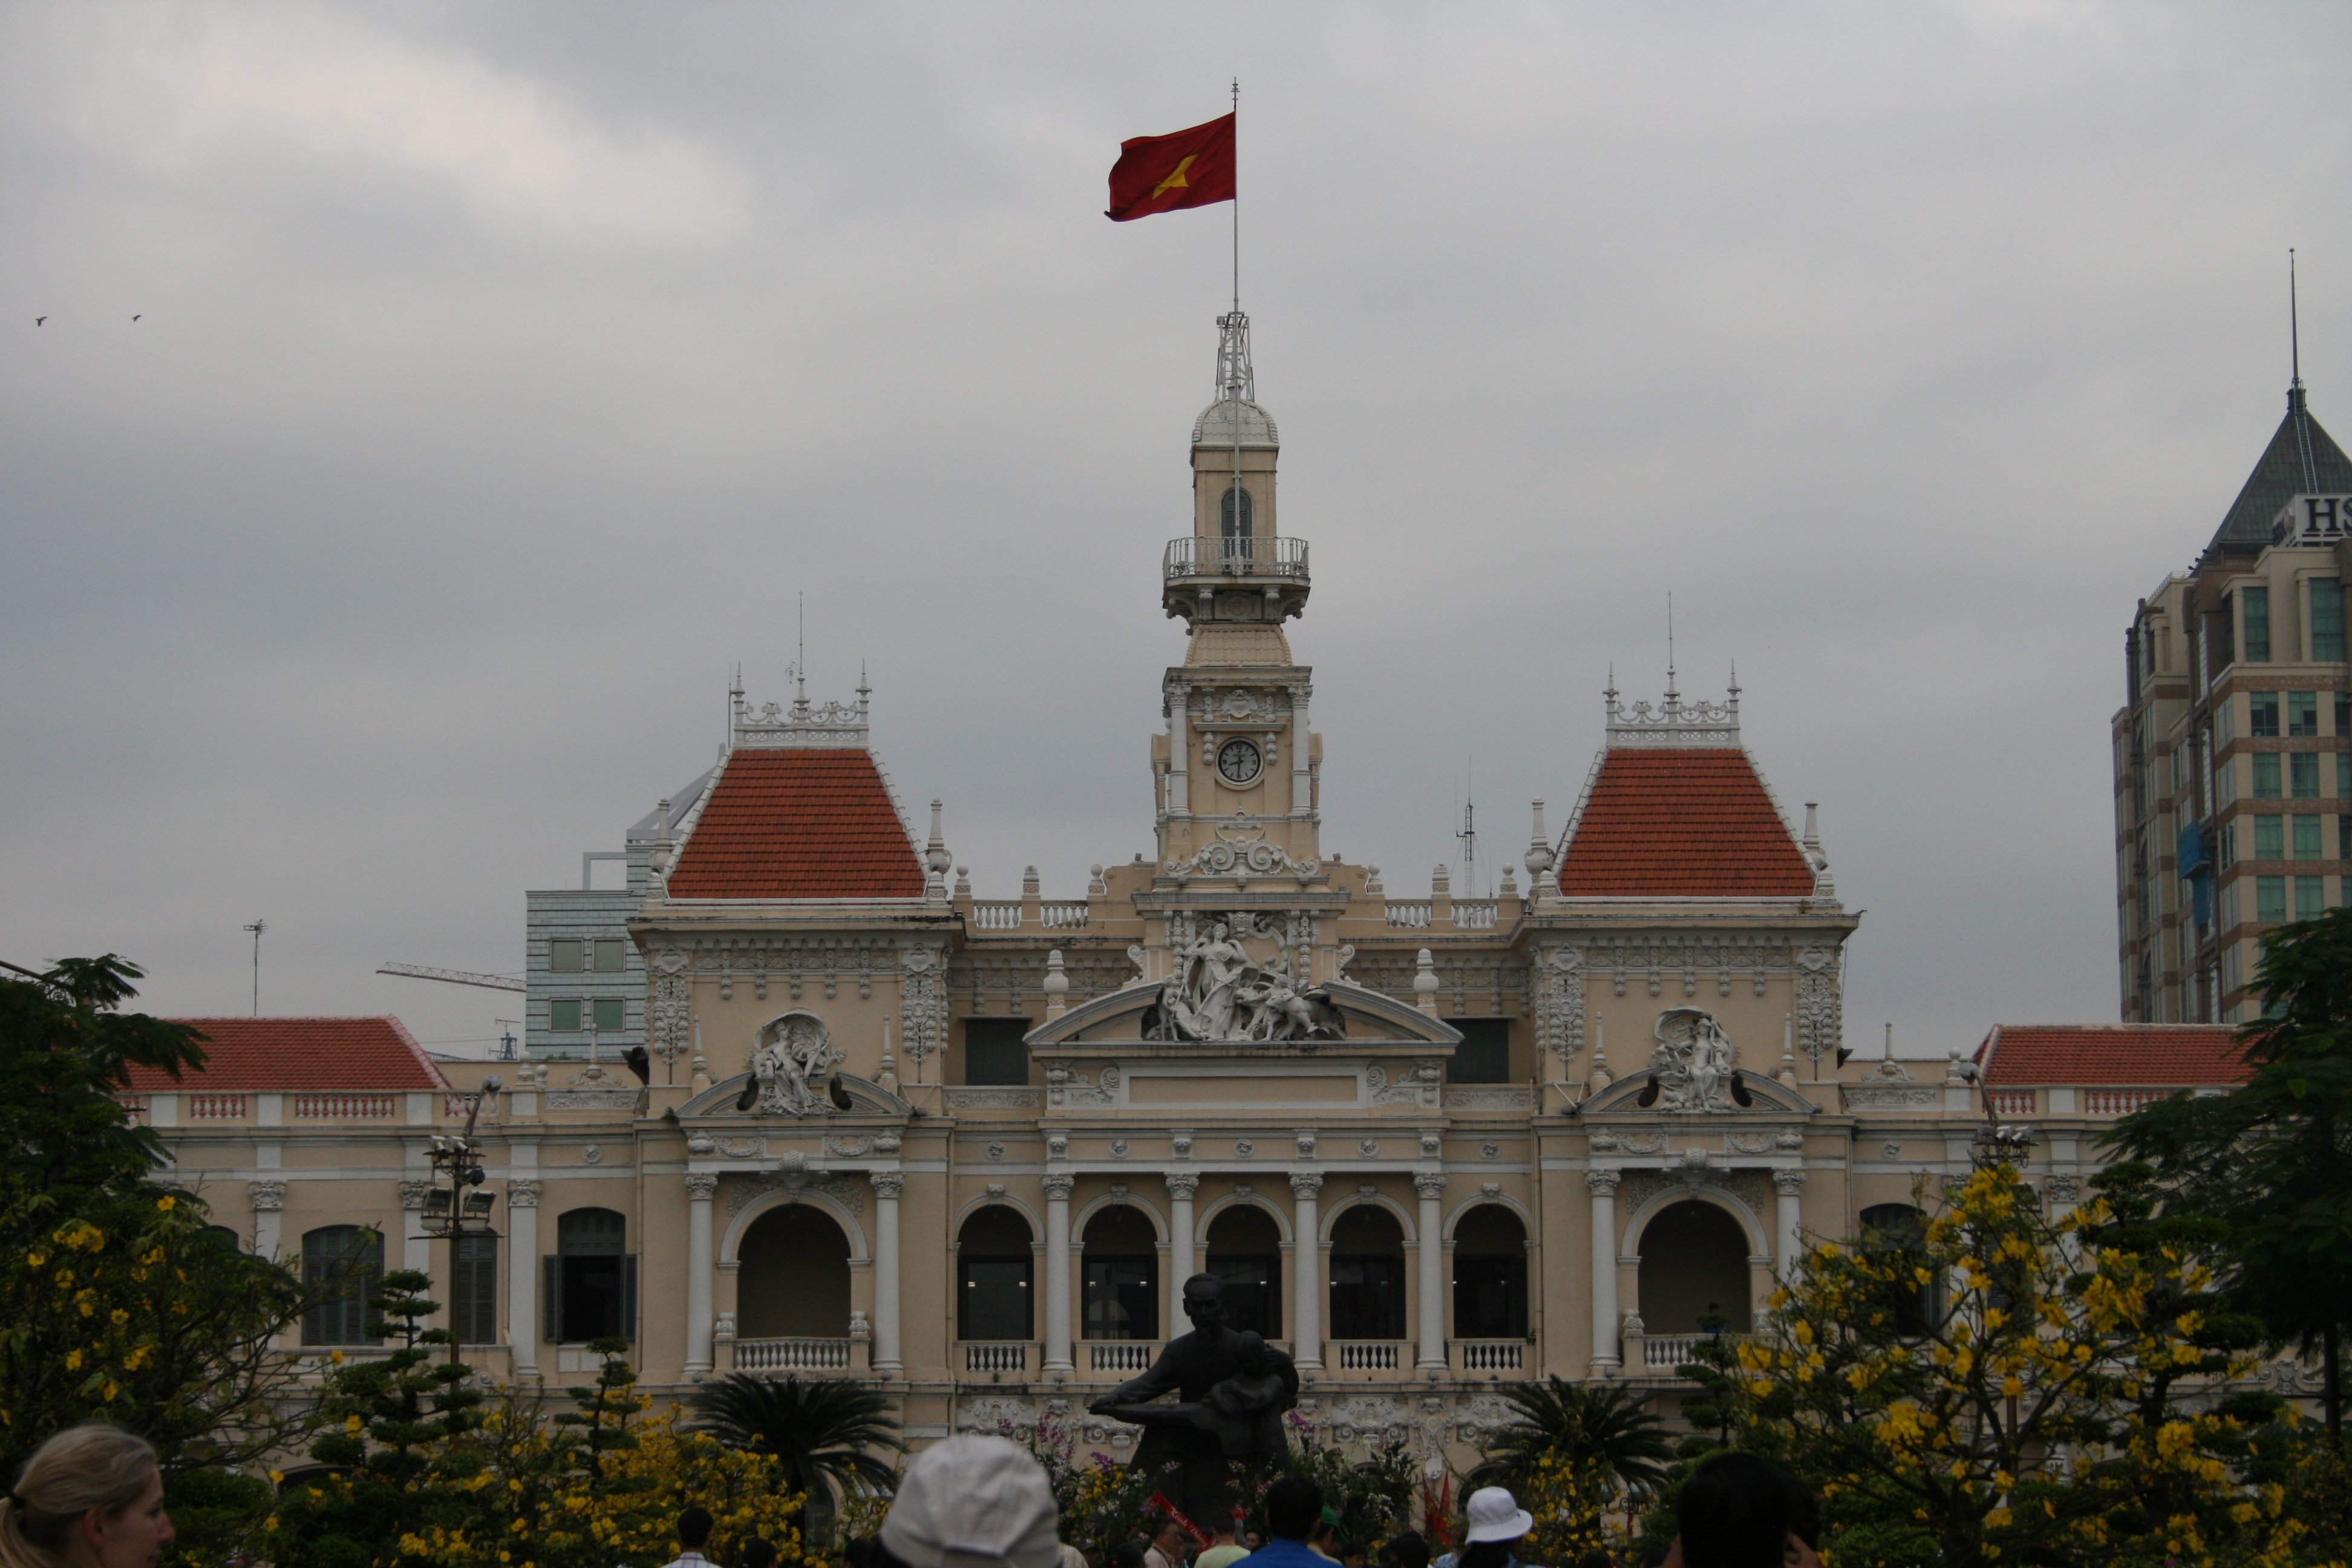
[2294,326]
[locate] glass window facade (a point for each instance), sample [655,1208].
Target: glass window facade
[563,1016]
[350,1258]
[2310,897]
[608,955]
[2307,839]
[2302,712]
[2255,618]
[2303,775]
[2266,775]
[2327,621]
[563,956]
[2270,840]
[2263,714]
[2270,898]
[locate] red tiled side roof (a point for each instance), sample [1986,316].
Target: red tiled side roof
[2150,1054]
[794,823]
[302,1054]
[1674,824]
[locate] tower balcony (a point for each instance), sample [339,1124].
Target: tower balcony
[1259,578]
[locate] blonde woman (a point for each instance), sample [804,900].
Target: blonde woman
[91,1497]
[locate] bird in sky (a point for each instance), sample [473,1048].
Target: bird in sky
[134,318]
[38,319]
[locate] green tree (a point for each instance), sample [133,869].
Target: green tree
[826,1435]
[116,1301]
[1582,1425]
[2271,1163]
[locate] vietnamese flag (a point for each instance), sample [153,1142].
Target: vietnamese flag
[1185,169]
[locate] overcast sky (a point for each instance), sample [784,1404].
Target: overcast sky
[504,372]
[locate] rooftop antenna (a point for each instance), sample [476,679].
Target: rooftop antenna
[2293,323]
[257,927]
[2294,387]
[1468,837]
[1671,692]
[800,658]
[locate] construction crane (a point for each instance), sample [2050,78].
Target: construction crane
[453,976]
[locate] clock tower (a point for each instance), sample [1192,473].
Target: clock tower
[1236,768]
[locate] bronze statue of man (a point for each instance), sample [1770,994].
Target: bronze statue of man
[1231,1390]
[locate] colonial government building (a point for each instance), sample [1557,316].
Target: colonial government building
[967,1150]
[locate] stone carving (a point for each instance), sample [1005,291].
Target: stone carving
[702,1187]
[1819,1012]
[411,1195]
[1747,1143]
[1419,1085]
[1609,1141]
[1065,1088]
[1787,1183]
[724,1327]
[789,1064]
[667,1019]
[591,1099]
[1428,1184]
[523,1193]
[1517,1097]
[1748,1186]
[1368,1148]
[2063,1188]
[977,1098]
[1306,1183]
[268,1195]
[1223,859]
[795,1184]
[1244,1148]
[996,1416]
[1182,1185]
[1374,1420]
[1490,1150]
[754,1147]
[1892,1151]
[1559,1003]
[995,1150]
[888,1184]
[1694,1062]
[1481,1416]
[1882,1097]
[1601,1183]
[1220,993]
[922,1003]
[1118,1148]
[1059,1186]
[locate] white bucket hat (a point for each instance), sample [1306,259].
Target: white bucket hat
[974,1502]
[1496,1515]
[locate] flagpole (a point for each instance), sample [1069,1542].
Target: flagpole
[1232,370]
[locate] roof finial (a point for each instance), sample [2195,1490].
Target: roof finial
[800,658]
[1671,692]
[2293,325]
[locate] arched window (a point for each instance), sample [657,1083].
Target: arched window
[592,1280]
[1367,1275]
[1694,1277]
[1245,1255]
[222,1236]
[795,1279]
[1900,1231]
[1122,1276]
[1234,527]
[1490,1275]
[349,1258]
[992,1276]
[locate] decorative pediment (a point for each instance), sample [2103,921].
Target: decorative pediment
[865,1097]
[1365,1017]
[1762,1096]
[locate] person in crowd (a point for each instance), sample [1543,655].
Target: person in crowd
[972,1497]
[91,1497]
[1254,1539]
[1222,1550]
[759,1552]
[1294,1510]
[693,1535]
[1127,1555]
[1407,1551]
[1325,1541]
[1072,1557]
[1354,1554]
[864,1552]
[1168,1542]
[1496,1524]
[1741,1510]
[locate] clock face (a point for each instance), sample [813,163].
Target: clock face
[1237,760]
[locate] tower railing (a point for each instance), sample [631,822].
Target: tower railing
[1259,555]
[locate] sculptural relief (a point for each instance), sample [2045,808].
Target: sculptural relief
[1696,1067]
[790,1066]
[1220,991]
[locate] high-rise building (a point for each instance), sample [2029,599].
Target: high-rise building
[2233,748]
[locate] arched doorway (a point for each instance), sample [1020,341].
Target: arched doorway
[1490,1275]
[591,1279]
[793,1283]
[1244,1253]
[1121,1284]
[1693,1276]
[1367,1275]
[994,1290]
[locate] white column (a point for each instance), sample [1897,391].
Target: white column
[1306,1274]
[522,1275]
[701,1266]
[1790,1245]
[887,1185]
[416,1252]
[1602,1184]
[268,1197]
[1180,1265]
[1431,1261]
[1057,1272]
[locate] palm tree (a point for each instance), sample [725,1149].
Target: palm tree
[821,1432]
[1578,1422]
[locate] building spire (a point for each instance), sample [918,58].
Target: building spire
[2294,326]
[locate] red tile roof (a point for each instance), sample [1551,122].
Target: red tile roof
[302,1054]
[2150,1054]
[799,824]
[1674,824]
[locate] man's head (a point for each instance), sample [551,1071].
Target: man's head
[1205,1300]
[1410,1550]
[1222,1526]
[1170,1538]
[694,1529]
[1294,1508]
[1735,1512]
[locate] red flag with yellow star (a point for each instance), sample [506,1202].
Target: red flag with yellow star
[1161,174]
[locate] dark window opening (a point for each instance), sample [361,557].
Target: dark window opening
[1244,1253]
[2263,714]
[353,1257]
[992,1051]
[1367,1275]
[1121,1299]
[1490,1275]
[1232,528]
[1484,1054]
[475,1309]
[591,1283]
[1900,1231]
[992,1276]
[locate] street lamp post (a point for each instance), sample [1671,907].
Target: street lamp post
[457,1210]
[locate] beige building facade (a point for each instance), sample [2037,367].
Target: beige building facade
[967,1150]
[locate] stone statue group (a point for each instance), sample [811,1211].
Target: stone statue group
[1219,993]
